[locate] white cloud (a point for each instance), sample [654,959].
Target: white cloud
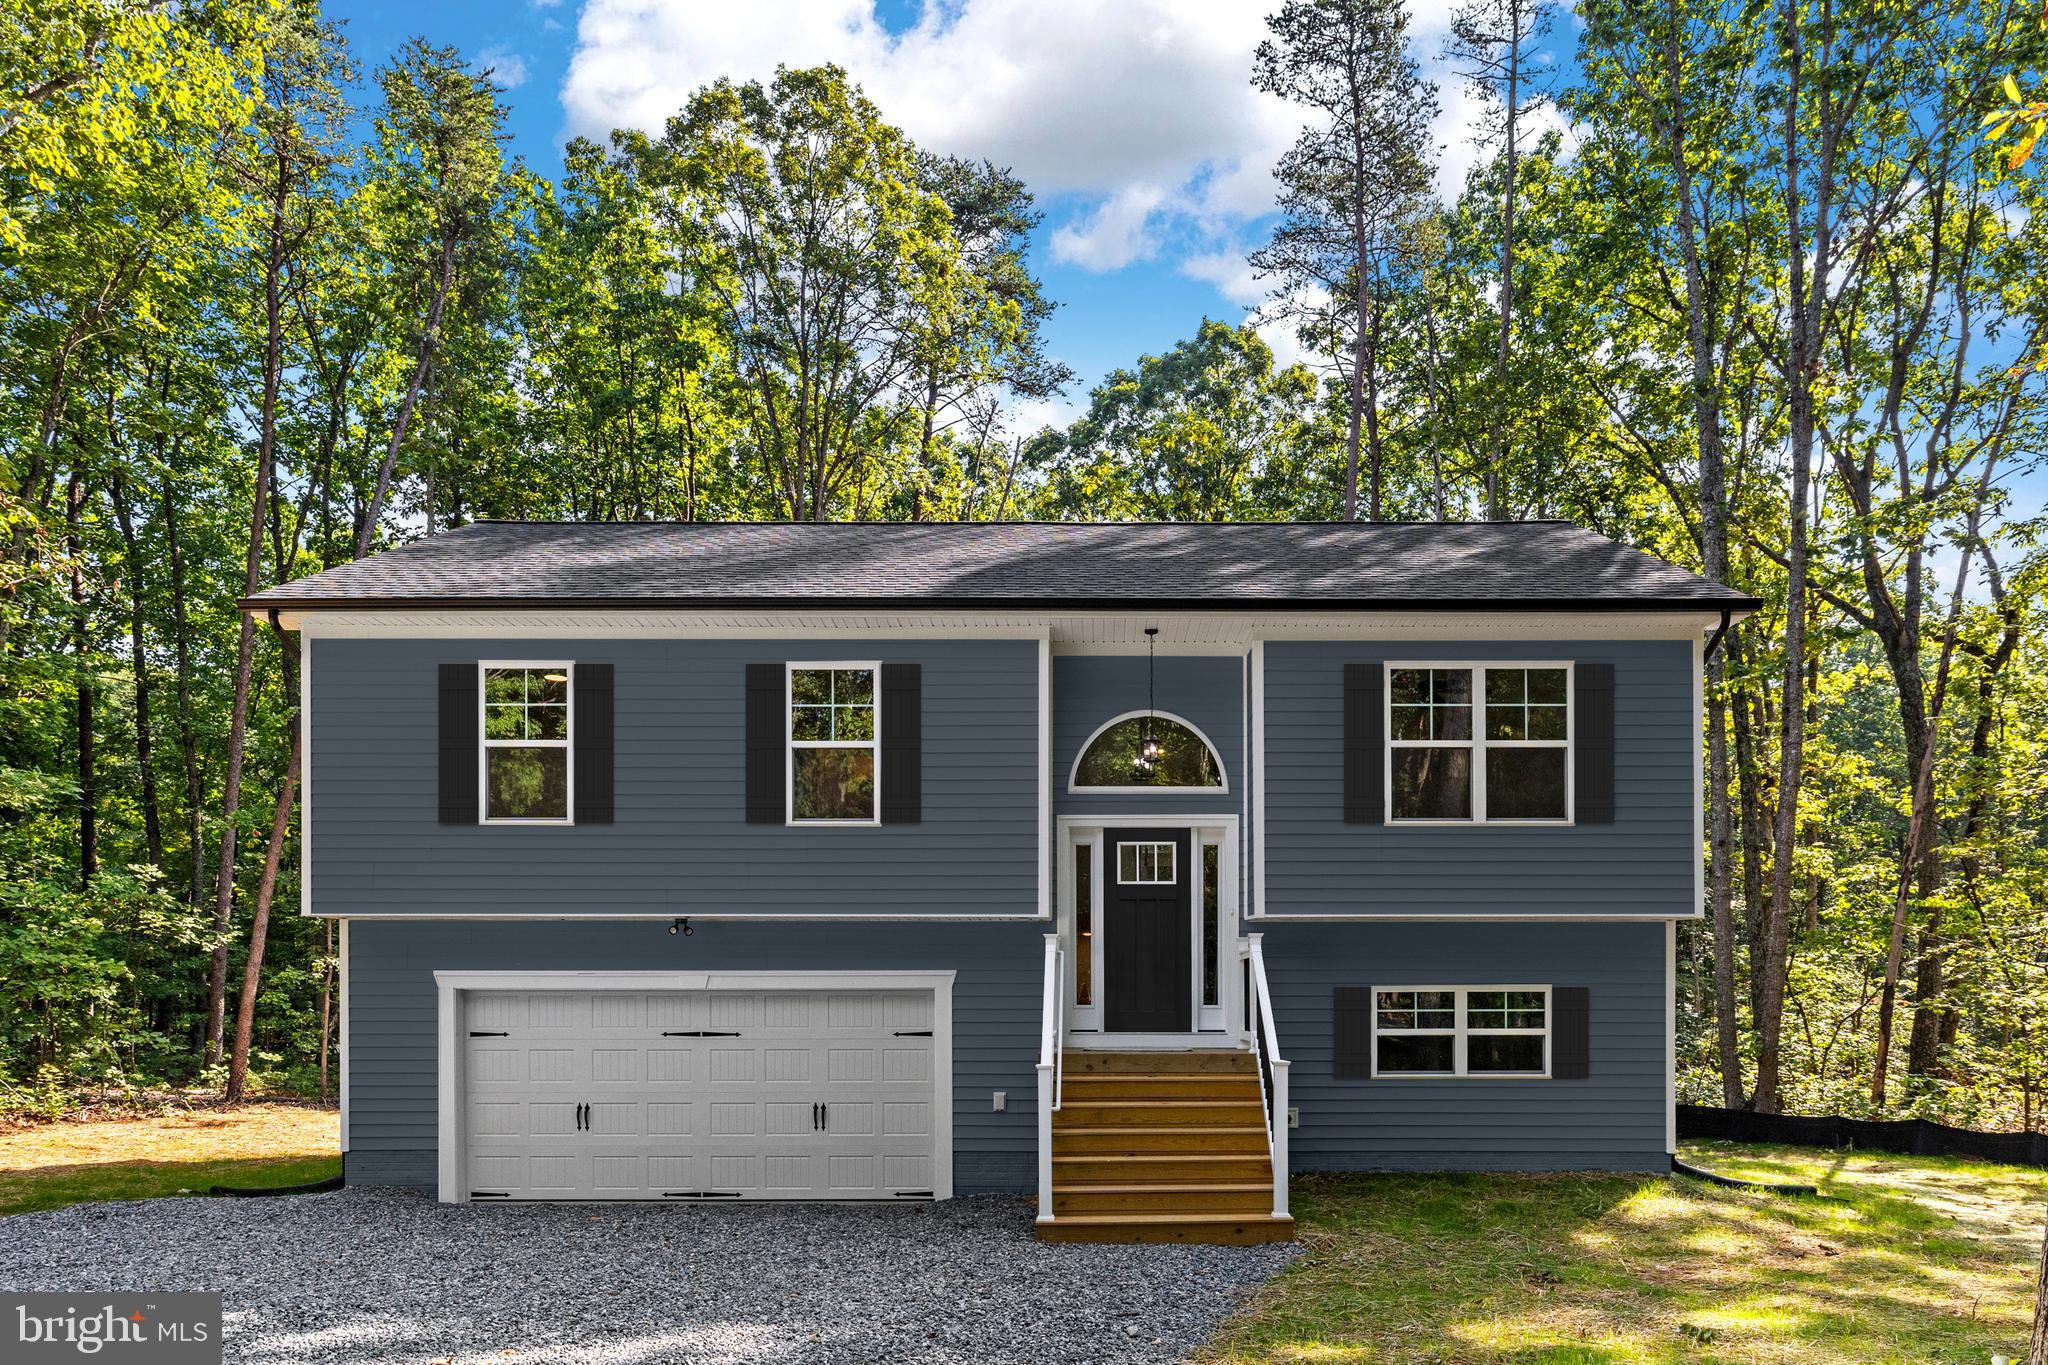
[1123,228]
[1140,113]
[507,67]
[1145,106]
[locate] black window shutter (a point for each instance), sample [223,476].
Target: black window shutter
[459,742]
[1593,707]
[902,744]
[767,724]
[1351,1033]
[1571,1033]
[593,743]
[1365,736]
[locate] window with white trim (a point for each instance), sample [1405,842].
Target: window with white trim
[834,730]
[526,755]
[1461,1031]
[1479,742]
[1146,864]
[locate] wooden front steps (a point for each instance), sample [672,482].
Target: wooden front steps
[1162,1147]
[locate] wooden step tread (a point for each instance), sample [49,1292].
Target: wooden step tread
[1092,1079]
[1234,1229]
[1160,1187]
[1146,1130]
[1165,1102]
[1149,1159]
[1166,1218]
[1089,1062]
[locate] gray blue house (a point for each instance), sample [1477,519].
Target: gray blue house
[1135,866]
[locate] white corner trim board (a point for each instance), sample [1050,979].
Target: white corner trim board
[453,985]
[1045,851]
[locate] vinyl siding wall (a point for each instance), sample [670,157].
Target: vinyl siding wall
[390,1051]
[1613,1120]
[1643,864]
[680,844]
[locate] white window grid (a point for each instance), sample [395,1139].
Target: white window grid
[484,669]
[1460,1032]
[1478,743]
[791,743]
[1146,864]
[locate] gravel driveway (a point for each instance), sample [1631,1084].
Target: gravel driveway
[376,1275]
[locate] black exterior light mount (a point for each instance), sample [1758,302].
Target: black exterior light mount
[1150,750]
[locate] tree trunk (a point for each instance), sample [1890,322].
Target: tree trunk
[188,737]
[259,930]
[1801,367]
[152,815]
[429,338]
[88,797]
[2037,1346]
[245,642]
[1706,405]
[1495,452]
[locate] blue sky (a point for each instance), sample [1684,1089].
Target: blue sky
[1133,122]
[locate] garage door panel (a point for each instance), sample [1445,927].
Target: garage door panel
[850,1118]
[687,1117]
[613,1119]
[734,1010]
[906,1119]
[669,1118]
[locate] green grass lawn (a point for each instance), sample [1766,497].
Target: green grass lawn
[52,1187]
[1905,1259]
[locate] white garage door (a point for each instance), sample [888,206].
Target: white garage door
[714,1094]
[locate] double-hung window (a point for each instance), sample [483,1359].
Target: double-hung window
[1479,742]
[1461,1031]
[526,758]
[834,730]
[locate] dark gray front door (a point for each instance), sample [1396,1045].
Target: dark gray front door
[1148,938]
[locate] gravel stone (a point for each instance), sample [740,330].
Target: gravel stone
[389,1276]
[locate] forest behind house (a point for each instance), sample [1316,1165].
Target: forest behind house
[1750,286]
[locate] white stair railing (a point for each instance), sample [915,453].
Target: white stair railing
[1265,1040]
[1052,1051]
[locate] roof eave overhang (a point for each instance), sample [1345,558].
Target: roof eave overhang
[1738,606]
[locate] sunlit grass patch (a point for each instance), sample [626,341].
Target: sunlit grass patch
[49,1165]
[1904,1260]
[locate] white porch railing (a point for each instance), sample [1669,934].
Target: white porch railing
[1052,1053]
[1258,1022]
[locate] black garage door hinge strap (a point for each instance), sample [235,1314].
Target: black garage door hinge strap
[490,1194]
[913,1033]
[700,1194]
[698,1033]
[475,1034]
[913,1194]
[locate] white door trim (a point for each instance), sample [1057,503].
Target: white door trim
[1084,1022]
[454,1175]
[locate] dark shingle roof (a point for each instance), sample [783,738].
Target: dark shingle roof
[1536,564]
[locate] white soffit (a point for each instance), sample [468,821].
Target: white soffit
[1071,632]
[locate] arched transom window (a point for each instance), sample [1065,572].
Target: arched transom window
[1117,756]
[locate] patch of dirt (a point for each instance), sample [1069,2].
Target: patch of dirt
[244,1133]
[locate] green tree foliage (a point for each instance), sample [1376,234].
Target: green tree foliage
[1771,310]
[1210,431]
